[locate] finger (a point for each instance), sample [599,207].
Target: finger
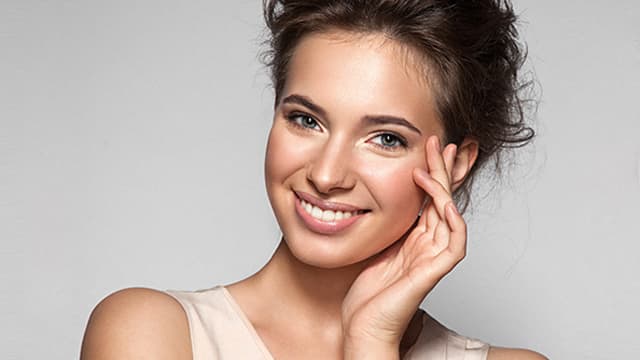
[422,222]
[458,237]
[446,260]
[433,218]
[429,219]
[449,154]
[441,237]
[435,162]
[439,195]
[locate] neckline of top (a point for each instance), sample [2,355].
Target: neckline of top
[261,344]
[247,323]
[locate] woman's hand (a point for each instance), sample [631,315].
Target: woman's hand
[385,296]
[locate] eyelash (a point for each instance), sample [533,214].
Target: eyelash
[291,118]
[401,142]
[295,120]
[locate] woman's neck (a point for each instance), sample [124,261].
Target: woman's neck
[287,294]
[312,293]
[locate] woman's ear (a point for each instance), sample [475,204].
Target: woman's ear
[465,158]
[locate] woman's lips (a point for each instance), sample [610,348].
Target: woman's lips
[325,217]
[325,205]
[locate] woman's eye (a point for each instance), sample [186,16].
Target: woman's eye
[304,121]
[391,141]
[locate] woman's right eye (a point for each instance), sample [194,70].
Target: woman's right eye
[302,120]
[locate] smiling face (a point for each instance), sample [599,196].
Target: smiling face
[347,133]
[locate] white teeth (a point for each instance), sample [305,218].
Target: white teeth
[316,212]
[326,215]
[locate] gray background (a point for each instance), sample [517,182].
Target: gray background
[132,137]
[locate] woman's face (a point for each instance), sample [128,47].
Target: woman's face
[347,133]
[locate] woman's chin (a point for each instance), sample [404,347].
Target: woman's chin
[323,258]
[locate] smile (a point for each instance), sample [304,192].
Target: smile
[326,217]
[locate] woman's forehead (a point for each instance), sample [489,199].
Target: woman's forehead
[359,73]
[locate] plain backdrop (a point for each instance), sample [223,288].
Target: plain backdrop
[131,154]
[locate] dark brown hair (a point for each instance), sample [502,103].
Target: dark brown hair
[471,50]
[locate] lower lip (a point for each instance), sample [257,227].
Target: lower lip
[324,227]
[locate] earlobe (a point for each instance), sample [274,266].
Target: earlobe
[465,158]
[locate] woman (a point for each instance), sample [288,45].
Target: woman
[362,189]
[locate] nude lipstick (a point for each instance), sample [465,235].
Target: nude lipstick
[325,217]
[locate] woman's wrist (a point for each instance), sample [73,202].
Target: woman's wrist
[370,349]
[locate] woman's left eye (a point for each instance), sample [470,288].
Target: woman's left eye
[389,141]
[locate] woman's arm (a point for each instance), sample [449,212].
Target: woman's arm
[137,324]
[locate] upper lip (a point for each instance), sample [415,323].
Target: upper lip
[324,204]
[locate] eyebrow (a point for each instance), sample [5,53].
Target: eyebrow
[306,102]
[369,119]
[387,119]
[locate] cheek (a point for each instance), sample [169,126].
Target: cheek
[284,155]
[274,167]
[391,184]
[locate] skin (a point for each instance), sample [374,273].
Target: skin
[353,294]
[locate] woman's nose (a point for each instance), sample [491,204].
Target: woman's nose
[330,170]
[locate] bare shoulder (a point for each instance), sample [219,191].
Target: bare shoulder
[498,353]
[137,323]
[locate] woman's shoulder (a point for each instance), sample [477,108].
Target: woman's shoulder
[499,353]
[436,339]
[153,318]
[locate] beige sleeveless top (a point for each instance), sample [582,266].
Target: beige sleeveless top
[220,330]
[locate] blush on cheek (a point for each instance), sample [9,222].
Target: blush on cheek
[281,154]
[391,182]
[398,198]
